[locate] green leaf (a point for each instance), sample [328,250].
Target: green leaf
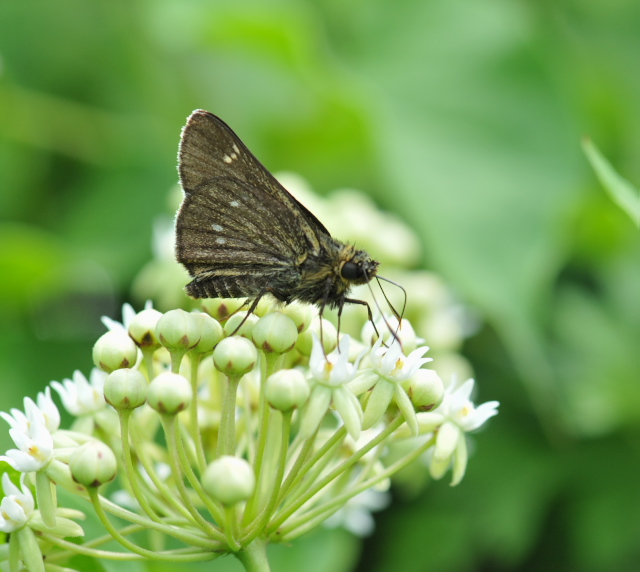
[621,191]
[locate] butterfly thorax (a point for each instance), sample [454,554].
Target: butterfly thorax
[326,277]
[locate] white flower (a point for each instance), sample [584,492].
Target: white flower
[356,516]
[128,313]
[80,396]
[330,374]
[334,369]
[456,416]
[45,412]
[390,367]
[17,506]
[35,448]
[391,363]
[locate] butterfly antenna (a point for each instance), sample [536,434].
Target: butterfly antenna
[393,310]
[386,323]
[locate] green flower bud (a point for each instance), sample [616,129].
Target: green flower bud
[425,389]
[229,480]
[244,330]
[142,328]
[222,308]
[113,350]
[301,314]
[275,333]
[287,389]
[93,464]
[329,337]
[125,389]
[235,356]
[169,393]
[178,331]
[210,332]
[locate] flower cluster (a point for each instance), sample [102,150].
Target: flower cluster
[223,431]
[265,433]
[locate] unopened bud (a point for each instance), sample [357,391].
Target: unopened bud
[114,350]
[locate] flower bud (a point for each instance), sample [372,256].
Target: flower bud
[221,308]
[113,350]
[235,356]
[125,389]
[329,337]
[93,464]
[301,314]
[229,480]
[169,393]
[142,329]
[244,330]
[287,389]
[425,389]
[210,332]
[178,331]
[275,333]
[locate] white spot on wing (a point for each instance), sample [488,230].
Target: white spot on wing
[217,227]
[227,159]
[235,148]
[221,240]
[234,204]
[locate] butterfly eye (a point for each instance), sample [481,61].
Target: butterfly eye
[351,271]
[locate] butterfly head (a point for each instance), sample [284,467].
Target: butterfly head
[358,269]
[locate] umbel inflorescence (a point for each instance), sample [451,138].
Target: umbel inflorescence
[210,432]
[225,442]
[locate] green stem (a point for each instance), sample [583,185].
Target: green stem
[315,516]
[125,416]
[194,427]
[258,526]
[176,359]
[151,554]
[177,466]
[254,556]
[72,548]
[227,432]
[167,495]
[147,358]
[268,365]
[335,473]
[303,466]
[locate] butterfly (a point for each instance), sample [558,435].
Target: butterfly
[241,234]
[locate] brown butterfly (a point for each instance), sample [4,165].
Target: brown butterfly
[240,233]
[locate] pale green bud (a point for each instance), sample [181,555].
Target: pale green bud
[221,308]
[425,389]
[142,328]
[229,480]
[178,331]
[169,393]
[235,356]
[114,350]
[125,389]
[329,337]
[244,330]
[93,464]
[301,314]
[275,333]
[287,389]
[210,332]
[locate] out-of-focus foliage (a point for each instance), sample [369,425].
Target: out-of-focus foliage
[465,118]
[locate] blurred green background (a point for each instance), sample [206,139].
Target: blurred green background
[465,118]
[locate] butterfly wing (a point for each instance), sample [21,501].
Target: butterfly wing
[237,225]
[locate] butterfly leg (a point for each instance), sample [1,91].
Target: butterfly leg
[251,309]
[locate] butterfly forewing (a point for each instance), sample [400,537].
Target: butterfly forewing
[240,233]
